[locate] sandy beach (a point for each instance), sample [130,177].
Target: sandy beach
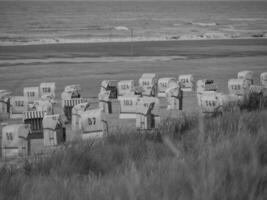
[89,64]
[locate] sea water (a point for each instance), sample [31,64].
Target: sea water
[23,23]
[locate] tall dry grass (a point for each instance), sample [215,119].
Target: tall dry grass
[224,159]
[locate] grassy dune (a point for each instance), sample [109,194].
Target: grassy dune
[214,158]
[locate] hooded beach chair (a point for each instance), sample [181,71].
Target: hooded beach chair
[54,132]
[126,87]
[174,97]
[128,106]
[48,90]
[104,101]
[239,87]
[4,102]
[257,97]
[76,116]
[32,93]
[187,82]
[210,102]
[34,120]
[68,104]
[18,105]
[147,113]
[164,84]
[14,141]
[263,79]
[109,85]
[148,82]
[247,75]
[93,124]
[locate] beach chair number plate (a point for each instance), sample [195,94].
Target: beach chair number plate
[145,83]
[128,102]
[210,103]
[46,90]
[125,87]
[19,103]
[91,121]
[9,136]
[236,87]
[30,94]
[164,85]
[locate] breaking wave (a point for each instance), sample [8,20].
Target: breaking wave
[210,35]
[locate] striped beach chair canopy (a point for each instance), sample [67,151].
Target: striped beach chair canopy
[73,102]
[34,114]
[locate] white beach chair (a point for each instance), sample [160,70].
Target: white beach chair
[14,141]
[54,132]
[187,82]
[148,83]
[164,84]
[128,106]
[263,79]
[18,105]
[126,87]
[247,75]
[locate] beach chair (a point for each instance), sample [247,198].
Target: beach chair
[76,116]
[54,131]
[32,93]
[34,120]
[126,87]
[174,97]
[68,104]
[4,102]
[257,97]
[187,82]
[109,85]
[18,105]
[164,84]
[128,107]
[147,113]
[210,102]
[148,83]
[14,141]
[70,92]
[48,90]
[205,85]
[93,124]
[263,79]
[42,105]
[104,102]
[239,87]
[247,75]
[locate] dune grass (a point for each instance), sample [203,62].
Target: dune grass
[217,158]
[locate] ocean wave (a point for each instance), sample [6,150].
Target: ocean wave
[204,23]
[248,19]
[90,60]
[121,28]
[4,41]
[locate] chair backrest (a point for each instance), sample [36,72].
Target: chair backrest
[126,87]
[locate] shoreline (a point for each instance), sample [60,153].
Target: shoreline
[133,41]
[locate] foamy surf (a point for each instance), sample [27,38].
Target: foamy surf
[91,60]
[198,36]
